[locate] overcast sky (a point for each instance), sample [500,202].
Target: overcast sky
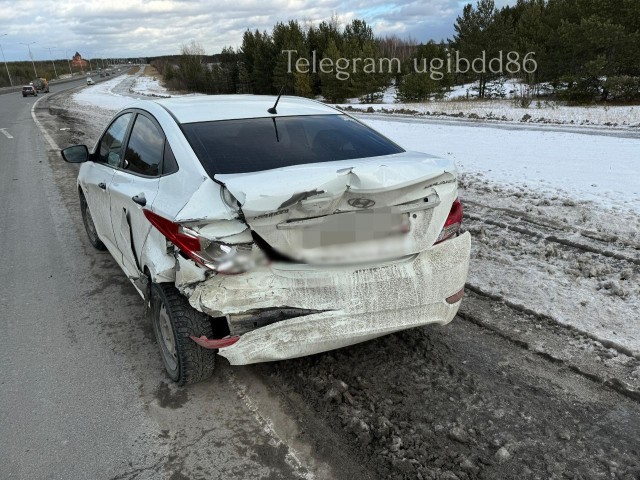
[120,28]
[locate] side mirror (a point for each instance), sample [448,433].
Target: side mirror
[76,154]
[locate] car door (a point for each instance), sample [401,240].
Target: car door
[98,175]
[135,186]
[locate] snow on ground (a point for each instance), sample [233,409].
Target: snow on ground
[602,169]
[508,111]
[509,88]
[149,86]
[102,95]
[459,102]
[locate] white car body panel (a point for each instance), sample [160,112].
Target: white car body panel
[127,217]
[91,176]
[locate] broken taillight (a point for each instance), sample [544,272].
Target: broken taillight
[453,223]
[211,254]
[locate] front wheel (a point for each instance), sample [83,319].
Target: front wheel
[174,321]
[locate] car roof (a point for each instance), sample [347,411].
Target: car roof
[207,108]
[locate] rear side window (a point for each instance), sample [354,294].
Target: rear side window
[145,149]
[255,144]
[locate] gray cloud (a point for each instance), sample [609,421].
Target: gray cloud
[160,27]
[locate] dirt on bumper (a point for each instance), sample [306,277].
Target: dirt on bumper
[355,304]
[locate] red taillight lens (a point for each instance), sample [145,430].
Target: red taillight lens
[188,244]
[453,223]
[214,255]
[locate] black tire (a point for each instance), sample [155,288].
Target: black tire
[174,321]
[23,95]
[89,226]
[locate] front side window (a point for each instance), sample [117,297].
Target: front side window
[110,150]
[255,144]
[145,148]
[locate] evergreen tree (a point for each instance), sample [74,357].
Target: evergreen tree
[333,89]
[287,37]
[423,79]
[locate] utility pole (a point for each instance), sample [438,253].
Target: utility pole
[66,54]
[31,56]
[52,62]
[5,62]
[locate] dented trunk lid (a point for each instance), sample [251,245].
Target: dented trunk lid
[348,211]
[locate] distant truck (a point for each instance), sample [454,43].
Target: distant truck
[41,85]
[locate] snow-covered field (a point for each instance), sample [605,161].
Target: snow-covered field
[586,184]
[505,110]
[603,169]
[150,86]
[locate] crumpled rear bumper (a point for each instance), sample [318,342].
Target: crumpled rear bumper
[355,304]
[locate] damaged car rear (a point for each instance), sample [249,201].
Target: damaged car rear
[264,229]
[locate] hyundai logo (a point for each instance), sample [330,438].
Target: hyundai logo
[361,202]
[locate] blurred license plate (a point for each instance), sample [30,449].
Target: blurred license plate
[354,227]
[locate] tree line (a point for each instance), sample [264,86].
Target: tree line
[22,72]
[259,66]
[584,50]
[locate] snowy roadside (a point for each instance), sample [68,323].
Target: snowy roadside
[585,185]
[504,110]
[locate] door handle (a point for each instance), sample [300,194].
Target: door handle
[140,199]
[102,185]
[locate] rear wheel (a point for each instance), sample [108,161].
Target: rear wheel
[89,226]
[174,321]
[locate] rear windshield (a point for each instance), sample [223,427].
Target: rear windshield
[255,144]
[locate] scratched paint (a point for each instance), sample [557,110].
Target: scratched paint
[362,303]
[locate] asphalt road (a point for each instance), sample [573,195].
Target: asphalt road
[82,390]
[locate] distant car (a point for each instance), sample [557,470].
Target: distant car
[102,75]
[108,74]
[29,90]
[90,81]
[266,234]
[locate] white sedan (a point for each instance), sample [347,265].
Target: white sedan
[264,229]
